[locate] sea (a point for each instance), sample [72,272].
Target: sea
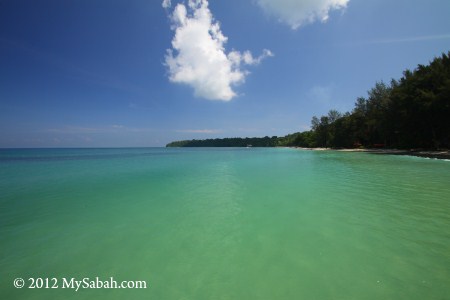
[222,223]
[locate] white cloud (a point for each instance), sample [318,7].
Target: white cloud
[166,3]
[199,58]
[301,12]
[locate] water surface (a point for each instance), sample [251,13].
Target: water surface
[226,223]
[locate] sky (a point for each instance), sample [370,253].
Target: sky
[143,73]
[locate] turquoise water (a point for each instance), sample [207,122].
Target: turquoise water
[225,223]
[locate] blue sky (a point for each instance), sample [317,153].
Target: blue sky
[143,73]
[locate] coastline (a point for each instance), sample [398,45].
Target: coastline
[440,154]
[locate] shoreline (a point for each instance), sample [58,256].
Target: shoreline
[439,154]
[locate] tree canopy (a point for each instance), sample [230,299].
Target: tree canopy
[410,113]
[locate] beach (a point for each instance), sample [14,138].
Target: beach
[437,154]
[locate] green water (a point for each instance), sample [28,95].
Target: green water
[225,223]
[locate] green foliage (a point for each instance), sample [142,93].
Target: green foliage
[420,107]
[299,139]
[228,142]
[413,112]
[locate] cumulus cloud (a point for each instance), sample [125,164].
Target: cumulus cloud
[301,12]
[198,57]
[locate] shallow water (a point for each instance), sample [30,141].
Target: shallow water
[225,223]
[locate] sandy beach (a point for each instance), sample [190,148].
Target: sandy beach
[439,154]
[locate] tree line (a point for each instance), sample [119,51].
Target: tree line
[410,113]
[228,142]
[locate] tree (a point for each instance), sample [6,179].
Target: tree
[413,112]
